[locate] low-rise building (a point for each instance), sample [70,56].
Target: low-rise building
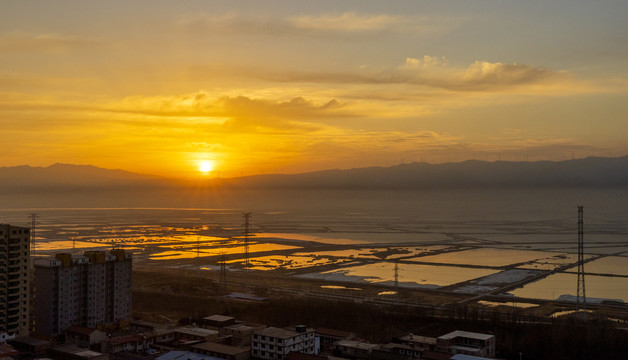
[7,352]
[215,322]
[84,337]
[195,334]
[239,334]
[222,351]
[143,326]
[467,343]
[394,351]
[329,336]
[275,343]
[73,352]
[31,346]
[352,349]
[130,343]
[159,336]
[418,342]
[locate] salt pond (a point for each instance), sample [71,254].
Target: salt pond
[188,254]
[487,257]
[558,284]
[410,275]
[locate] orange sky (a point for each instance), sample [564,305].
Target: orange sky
[260,86]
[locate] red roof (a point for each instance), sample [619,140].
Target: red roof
[80,330]
[6,351]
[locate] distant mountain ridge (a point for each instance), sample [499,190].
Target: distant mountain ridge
[588,172]
[68,175]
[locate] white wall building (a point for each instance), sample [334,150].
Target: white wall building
[467,343]
[275,343]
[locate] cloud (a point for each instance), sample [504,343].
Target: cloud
[340,24]
[186,112]
[433,72]
[18,42]
[353,22]
[240,112]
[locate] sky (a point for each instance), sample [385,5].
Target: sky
[249,87]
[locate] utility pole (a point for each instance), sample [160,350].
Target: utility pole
[34,217]
[397,281]
[581,298]
[247,218]
[223,268]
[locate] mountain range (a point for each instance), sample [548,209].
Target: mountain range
[595,172]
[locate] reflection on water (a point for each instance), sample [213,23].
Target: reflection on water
[409,275]
[285,262]
[497,257]
[537,229]
[339,287]
[522,305]
[302,237]
[568,312]
[387,293]
[67,245]
[558,284]
[349,253]
[188,254]
[616,265]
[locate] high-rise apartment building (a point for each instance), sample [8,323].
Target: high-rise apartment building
[92,290]
[14,280]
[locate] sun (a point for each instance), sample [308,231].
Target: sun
[205,166]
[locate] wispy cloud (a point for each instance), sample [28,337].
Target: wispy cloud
[341,24]
[19,42]
[434,72]
[239,112]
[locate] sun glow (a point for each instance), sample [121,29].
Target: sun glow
[205,166]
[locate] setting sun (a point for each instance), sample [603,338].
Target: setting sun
[205,166]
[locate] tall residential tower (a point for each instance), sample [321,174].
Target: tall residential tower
[92,290]
[14,280]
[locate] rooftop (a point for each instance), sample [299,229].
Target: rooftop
[124,339]
[220,348]
[219,318]
[465,334]
[276,333]
[81,330]
[418,339]
[28,340]
[195,331]
[355,344]
[75,350]
[185,355]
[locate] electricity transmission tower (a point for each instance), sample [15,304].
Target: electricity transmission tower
[247,218]
[581,298]
[34,217]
